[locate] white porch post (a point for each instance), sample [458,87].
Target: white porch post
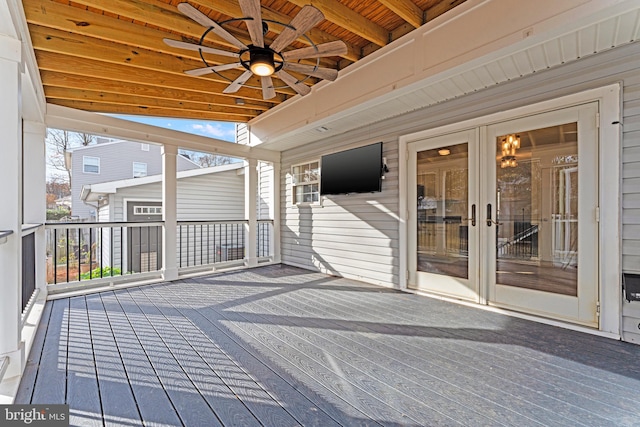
[169,212]
[274,212]
[35,188]
[251,211]
[11,206]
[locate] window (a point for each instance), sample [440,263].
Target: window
[306,182]
[90,164]
[139,169]
[147,210]
[144,147]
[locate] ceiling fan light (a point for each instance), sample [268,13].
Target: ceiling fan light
[261,63]
[262,69]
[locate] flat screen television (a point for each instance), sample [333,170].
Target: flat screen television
[358,170]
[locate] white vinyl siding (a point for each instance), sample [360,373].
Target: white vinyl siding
[91,164]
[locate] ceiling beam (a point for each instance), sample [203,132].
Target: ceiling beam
[54,79]
[99,96]
[407,10]
[346,18]
[146,111]
[441,7]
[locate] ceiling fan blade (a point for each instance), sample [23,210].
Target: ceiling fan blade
[197,47]
[335,48]
[268,90]
[322,73]
[251,9]
[306,19]
[291,81]
[207,22]
[207,70]
[237,83]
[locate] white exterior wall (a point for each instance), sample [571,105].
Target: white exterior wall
[356,236]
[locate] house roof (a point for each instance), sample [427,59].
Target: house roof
[109,56]
[92,192]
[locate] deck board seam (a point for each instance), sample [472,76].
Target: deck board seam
[93,353]
[148,359]
[98,299]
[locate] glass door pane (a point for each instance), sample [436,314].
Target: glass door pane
[442,206]
[537,209]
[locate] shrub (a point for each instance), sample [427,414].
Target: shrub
[56,214]
[106,272]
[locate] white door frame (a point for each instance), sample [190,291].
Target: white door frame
[580,309]
[609,134]
[469,288]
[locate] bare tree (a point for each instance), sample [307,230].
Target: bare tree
[208,160]
[58,187]
[58,142]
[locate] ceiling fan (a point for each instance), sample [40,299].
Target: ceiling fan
[259,59]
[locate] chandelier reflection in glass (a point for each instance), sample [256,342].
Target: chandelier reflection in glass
[510,144]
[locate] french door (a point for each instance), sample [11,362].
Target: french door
[506,214]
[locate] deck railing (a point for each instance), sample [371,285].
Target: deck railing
[211,242]
[87,251]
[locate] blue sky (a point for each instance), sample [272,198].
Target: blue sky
[219,130]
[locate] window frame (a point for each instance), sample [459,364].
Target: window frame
[84,164]
[134,169]
[311,182]
[147,210]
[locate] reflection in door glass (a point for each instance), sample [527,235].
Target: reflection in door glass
[537,202]
[443,194]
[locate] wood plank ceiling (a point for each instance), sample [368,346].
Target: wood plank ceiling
[108,55]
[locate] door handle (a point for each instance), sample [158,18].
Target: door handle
[473,215]
[489,220]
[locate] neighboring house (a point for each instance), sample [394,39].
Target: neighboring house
[111,161]
[204,195]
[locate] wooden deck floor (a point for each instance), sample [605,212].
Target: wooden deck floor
[280,346]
